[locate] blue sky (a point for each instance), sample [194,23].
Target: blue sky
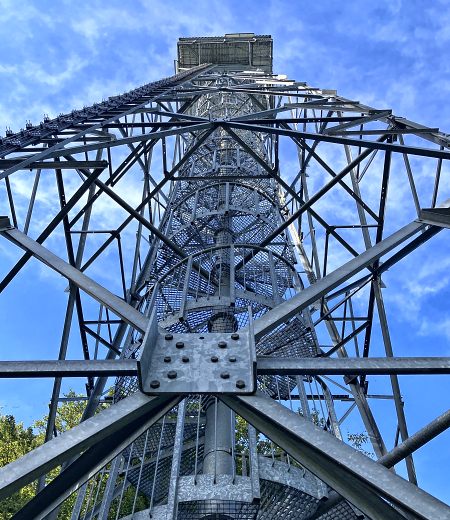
[56,56]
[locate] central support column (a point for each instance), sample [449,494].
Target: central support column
[219,428]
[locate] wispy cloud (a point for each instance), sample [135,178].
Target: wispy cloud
[387,54]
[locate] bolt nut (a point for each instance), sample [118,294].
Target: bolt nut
[222,344]
[167,359]
[214,359]
[172,374]
[185,359]
[224,375]
[168,336]
[235,336]
[240,384]
[232,359]
[179,344]
[154,384]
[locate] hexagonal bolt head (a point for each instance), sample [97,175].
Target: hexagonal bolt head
[168,336]
[214,359]
[172,374]
[179,344]
[167,359]
[222,344]
[185,359]
[240,384]
[154,384]
[224,375]
[235,336]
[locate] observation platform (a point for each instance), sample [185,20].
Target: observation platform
[232,52]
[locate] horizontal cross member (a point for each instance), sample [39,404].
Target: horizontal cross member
[359,143]
[68,368]
[353,366]
[52,165]
[265,366]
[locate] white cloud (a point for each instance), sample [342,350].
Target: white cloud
[66,71]
[107,50]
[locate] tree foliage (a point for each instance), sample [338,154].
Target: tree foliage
[16,441]
[358,441]
[68,415]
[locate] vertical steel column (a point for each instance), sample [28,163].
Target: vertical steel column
[218,432]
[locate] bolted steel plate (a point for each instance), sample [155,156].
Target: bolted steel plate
[198,363]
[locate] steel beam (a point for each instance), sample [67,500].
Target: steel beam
[366,484]
[99,293]
[417,440]
[266,365]
[352,366]
[400,452]
[68,368]
[379,114]
[289,308]
[91,461]
[436,216]
[357,143]
[72,442]
[51,226]
[51,165]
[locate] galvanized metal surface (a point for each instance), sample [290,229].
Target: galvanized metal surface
[221,242]
[61,448]
[350,366]
[68,368]
[364,482]
[225,362]
[121,308]
[209,488]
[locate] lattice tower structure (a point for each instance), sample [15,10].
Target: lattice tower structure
[222,404]
[219,214]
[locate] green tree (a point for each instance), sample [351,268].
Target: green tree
[15,441]
[68,415]
[358,441]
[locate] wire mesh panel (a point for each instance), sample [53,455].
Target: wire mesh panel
[214,510]
[220,224]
